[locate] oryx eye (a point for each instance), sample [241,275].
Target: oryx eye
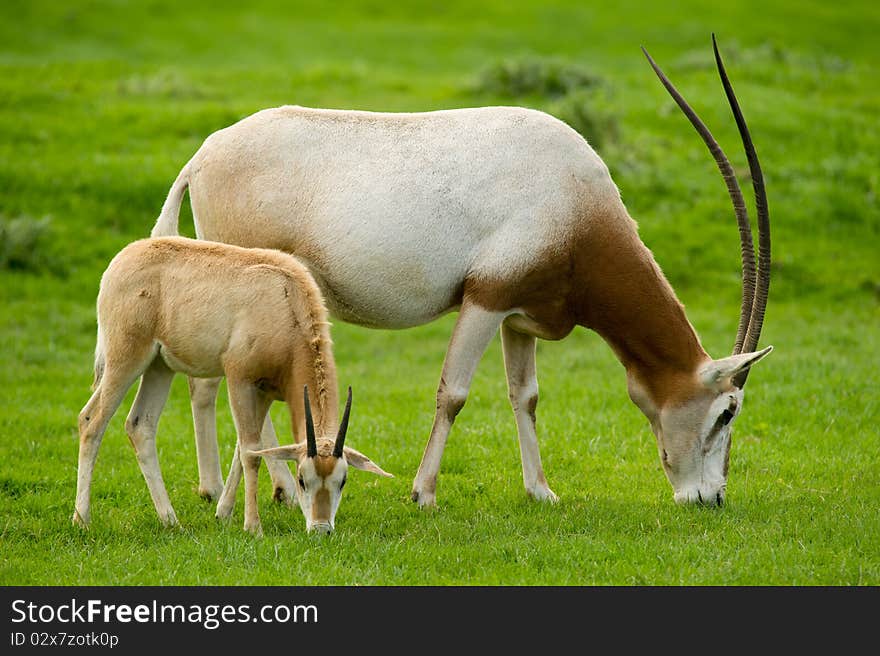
[342,484]
[725,417]
[302,483]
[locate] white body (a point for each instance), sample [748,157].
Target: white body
[415,203]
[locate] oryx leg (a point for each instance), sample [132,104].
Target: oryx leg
[286,492]
[120,372]
[249,409]
[522,387]
[141,425]
[472,334]
[203,399]
[227,499]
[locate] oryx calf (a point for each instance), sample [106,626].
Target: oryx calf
[173,304]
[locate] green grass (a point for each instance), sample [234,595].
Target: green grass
[101,103]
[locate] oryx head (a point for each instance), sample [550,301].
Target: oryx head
[322,468]
[693,424]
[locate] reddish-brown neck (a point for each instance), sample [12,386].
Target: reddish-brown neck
[623,295]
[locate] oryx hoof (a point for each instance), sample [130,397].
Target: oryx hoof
[80,520]
[224,511]
[424,499]
[210,492]
[285,496]
[543,494]
[168,519]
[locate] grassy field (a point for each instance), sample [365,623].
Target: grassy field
[102,102]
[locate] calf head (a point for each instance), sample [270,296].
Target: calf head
[322,469]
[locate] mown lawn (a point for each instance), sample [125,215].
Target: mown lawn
[102,102]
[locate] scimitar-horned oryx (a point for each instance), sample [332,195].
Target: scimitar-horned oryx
[505,214]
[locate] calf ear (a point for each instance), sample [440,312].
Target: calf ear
[718,371]
[358,460]
[288,452]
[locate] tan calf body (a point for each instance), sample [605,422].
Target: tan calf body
[255,316]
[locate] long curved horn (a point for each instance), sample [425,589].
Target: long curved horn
[762,286]
[747,247]
[311,443]
[343,427]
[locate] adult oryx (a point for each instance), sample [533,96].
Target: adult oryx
[505,214]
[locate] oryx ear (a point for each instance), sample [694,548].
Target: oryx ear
[358,460]
[718,371]
[288,452]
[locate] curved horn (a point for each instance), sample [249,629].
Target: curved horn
[343,427]
[762,286]
[747,247]
[311,443]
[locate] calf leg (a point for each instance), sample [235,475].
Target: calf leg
[285,490]
[522,386]
[472,333]
[226,503]
[141,425]
[283,486]
[118,376]
[249,410]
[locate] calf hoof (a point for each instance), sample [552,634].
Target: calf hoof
[254,528]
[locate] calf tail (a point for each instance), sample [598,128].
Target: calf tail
[99,361]
[166,224]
